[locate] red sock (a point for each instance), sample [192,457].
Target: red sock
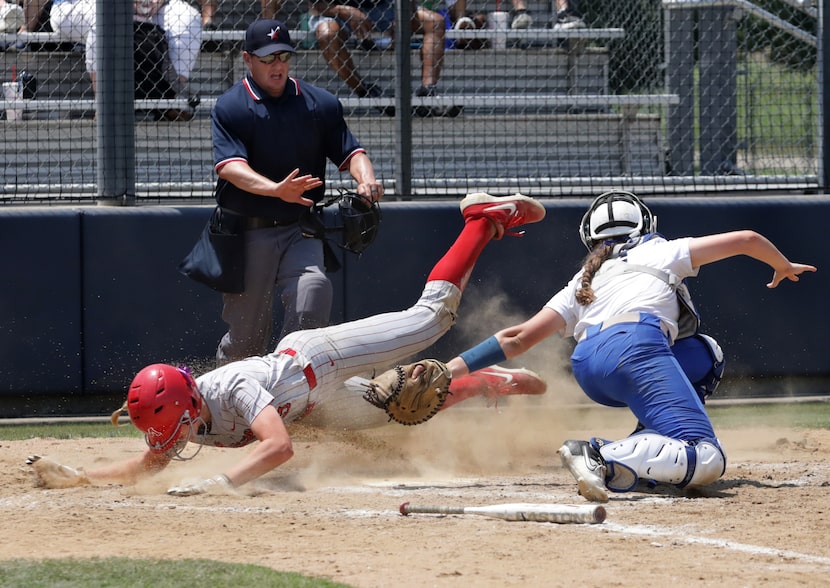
[458,262]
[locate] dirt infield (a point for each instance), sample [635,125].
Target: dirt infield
[333,510]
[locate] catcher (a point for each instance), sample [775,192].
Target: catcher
[623,307]
[253,399]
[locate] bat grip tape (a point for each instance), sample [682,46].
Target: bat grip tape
[483,355]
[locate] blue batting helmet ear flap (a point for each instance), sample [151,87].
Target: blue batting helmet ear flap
[613,214]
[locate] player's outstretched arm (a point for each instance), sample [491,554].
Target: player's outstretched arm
[508,343]
[711,248]
[131,470]
[51,474]
[274,448]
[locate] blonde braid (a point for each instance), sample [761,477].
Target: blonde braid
[593,261]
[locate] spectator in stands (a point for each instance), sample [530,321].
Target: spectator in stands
[270,8]
[208,9]
[568,15]
[272,137]
[75,20]
[456,16]
[11,16]
[333,24]
[458,13]
[182,26]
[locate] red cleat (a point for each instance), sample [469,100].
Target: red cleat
[494,382]
[505,213]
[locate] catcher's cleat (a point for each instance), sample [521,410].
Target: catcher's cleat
[505,213]
[494,382]
[588,467]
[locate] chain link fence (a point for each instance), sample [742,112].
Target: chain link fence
[671,96]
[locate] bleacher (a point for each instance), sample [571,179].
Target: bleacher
[546,93]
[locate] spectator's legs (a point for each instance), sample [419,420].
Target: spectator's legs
[432,26]
[270,8]
[182,26]
[331,39]
[75,22]
[356,20]
[208,9]
[458,10]
[32,10]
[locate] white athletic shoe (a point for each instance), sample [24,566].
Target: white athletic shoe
[566,22]
[588,467]
[522,20]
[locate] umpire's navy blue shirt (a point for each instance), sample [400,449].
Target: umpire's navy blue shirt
[300,129]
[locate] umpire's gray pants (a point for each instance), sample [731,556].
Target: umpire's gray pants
[280,261]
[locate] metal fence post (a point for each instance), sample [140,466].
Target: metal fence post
[403,99]
[114,102]
[718,46]
[679,46]
[824,96]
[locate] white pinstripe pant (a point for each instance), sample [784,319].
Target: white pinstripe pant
[336,353]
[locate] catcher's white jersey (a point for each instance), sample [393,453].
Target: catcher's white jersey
[630,292]
[309,366]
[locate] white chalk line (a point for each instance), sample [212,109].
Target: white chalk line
[28,502]
[652,531]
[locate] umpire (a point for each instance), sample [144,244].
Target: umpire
[272,135]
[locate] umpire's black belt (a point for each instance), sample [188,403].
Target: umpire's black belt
[260,222]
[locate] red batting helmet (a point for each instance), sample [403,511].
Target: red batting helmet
[161,399]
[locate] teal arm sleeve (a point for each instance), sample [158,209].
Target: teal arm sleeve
[483,355]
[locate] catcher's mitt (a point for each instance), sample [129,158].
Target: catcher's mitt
[51,474]
[408,400]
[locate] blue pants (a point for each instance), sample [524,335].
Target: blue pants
[631,364]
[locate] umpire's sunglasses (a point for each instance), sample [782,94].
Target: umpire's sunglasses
[283,56]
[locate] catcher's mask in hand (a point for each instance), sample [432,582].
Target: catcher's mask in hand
[358,218]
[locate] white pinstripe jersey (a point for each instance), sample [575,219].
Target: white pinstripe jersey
[308,366]
[237,392]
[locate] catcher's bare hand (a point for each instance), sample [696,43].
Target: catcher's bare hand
[51,474]
[411,394]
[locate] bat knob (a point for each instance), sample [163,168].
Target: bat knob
[403,510]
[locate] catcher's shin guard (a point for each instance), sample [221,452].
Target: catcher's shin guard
[650,456]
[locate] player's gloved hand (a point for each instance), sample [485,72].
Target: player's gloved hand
[216,485]
[51,474]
